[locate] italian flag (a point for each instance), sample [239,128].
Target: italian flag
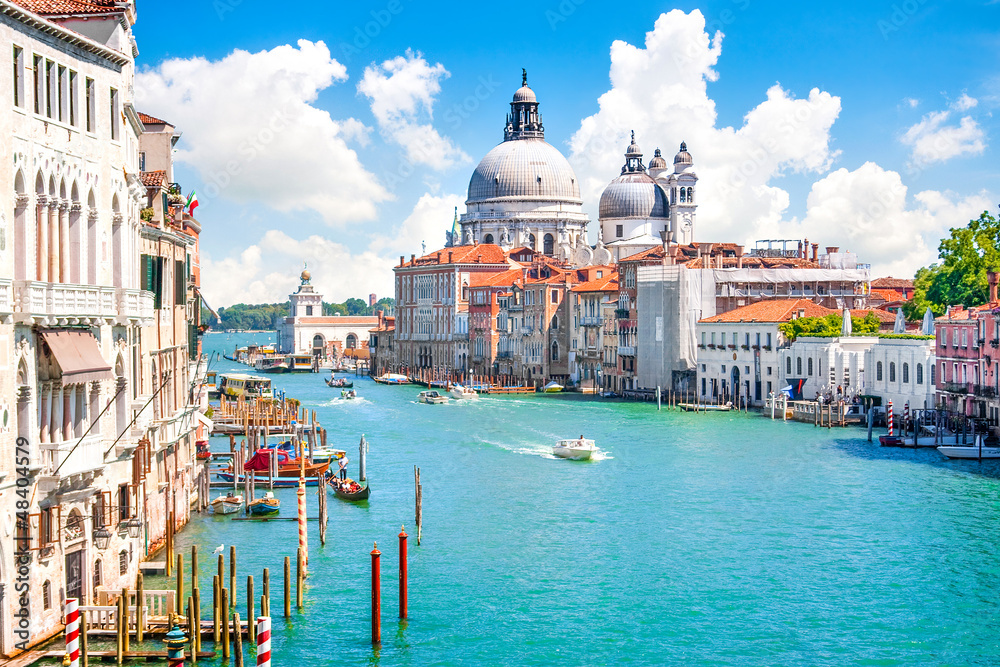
[192,202]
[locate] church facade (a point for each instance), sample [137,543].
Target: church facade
[307,331]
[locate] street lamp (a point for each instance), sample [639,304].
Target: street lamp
[134,526]
[102,537]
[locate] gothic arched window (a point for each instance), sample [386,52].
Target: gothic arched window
[892,371]
[906,373]
[878,371]
[548,244]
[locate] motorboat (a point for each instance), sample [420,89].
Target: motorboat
[227,504]
[579,449]
[392,378]
[265,506]
[271,365]
[976,451]
[552,388]
[348,394]
[431,397]
[460,393]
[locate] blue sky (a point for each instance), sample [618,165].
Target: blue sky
[903,113]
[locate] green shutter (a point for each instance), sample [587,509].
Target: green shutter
[180,284]
[192,342]
[156,281]
[146,273]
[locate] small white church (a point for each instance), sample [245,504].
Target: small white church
[307,331]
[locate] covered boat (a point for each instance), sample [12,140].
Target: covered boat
[392,378]
[287,466]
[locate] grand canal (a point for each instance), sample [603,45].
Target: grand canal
[696,539]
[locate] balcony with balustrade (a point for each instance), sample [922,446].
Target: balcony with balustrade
[526,331]
[591,321]
[73,462]
[64,304]
[626,350]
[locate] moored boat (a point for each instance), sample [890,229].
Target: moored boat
[431,397]
[287,467]
[299,363]
[579,449]
[392,378]
[460,393]
[552,388]
[976,451]
[265,506]
[227,504]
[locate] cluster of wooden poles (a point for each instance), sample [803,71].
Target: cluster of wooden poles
[243,414]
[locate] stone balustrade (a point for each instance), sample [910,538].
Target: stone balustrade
[61,304]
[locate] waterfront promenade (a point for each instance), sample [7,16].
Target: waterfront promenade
[698,539]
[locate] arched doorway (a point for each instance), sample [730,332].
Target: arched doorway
[736,385]
[318,346]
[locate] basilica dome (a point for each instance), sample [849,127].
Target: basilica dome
[524,169]
[634,194]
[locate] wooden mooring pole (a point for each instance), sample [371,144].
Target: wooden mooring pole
[300,578]
[251,628]
[224,606]
[288,587]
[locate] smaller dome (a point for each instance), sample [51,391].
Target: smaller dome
[683,157]
[305,276]
[657,162]
[525,94]
[633,195]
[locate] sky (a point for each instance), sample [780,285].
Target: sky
[343,135]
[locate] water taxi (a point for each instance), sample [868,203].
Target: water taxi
[976,451]
[460,393]
[299,363]
[235,385]
[579,449]
[431,397]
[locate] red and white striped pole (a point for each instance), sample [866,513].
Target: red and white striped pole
[888,417]
[73,631]
[303,537]
[263,641]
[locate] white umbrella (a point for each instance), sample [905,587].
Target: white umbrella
[847,328]
[900,326]
[928,326]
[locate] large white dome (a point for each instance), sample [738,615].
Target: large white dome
[524,169]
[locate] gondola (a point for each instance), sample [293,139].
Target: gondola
[335,484]
[339,384]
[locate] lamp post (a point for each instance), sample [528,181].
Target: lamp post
[134,526]
[102,537]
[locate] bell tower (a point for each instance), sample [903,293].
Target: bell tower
[305,301]
[681,186]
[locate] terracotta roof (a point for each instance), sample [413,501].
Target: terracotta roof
[966,313]
[884,316]
[151,120]
[61,7]
[152,179]
[750,262]
[501,279]
[892,283]
[606,284]
[482,253]
[656,252]
[778,310]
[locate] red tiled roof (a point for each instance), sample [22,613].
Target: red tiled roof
[884,316]
[606,284]
[751,262]
[152,179]
[151,120]
[482,253]
[502,279]
[61,7]
[966,313]
[656,252]
[778,310]
[892,283]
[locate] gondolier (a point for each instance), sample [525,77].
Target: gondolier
[343,467]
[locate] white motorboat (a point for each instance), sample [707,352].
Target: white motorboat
[459,393]
[552,388]
[579,449]
[227,504]
[431,397]
[976,451]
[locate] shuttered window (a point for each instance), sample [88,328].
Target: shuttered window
[180,283]
[151,272]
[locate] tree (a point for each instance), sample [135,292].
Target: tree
[356,307]
[829,326]
[966,256]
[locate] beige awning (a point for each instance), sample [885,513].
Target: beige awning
[78,356]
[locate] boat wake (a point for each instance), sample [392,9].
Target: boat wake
[541,450]
[347,402]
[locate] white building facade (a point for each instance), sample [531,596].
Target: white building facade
[901,370]
[307,331]
[826,364]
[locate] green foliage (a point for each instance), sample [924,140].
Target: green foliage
[247,317]
[915,308]
[906,336]
[828,326]
[966,255]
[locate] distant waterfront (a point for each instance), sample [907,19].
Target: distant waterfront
[699,539]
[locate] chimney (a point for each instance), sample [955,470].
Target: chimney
[992,277]
[815,251]
[413,258]
[449,256]
[438,257]
[739,261]
[832,249]
[798,253]
[401,259]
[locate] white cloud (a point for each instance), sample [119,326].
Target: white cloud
[934,140]
[660,91]
[866,211]
[964,103]
[402,92]
[266,272]
[252,132]
[911,102]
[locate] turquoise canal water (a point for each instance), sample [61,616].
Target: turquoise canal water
[720,539]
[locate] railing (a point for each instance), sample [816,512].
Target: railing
[626,350]
[135,304]
[70,458]
[985,392]
[504,355]
[526,331]
[590,321]
[461,335]
[955,387]
[621,313]
[515,307]
[39,299]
